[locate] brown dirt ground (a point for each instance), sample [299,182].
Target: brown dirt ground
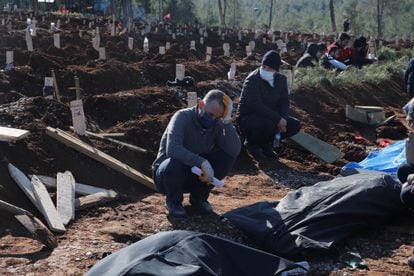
[127,93]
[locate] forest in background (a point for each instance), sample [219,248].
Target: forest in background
[378,18]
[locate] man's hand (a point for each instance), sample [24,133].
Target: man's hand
[228,109]
[282,125]
[207,172]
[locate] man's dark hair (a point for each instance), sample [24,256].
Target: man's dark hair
[344,36]
[214,95]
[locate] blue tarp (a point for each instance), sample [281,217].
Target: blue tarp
[387,159]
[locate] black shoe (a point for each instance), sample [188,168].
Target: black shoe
[203,206]
[255,151]
[175,209]
[269,152]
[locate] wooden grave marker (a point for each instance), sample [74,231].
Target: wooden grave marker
[49,210]
[9,57]
[56,40]
[65,196]
[179,71]
[192,99]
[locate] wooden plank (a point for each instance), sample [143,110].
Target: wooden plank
[95,199]
[100,156]
[370,108]
[129,146]
[38,230]
[81,189]
[8,134]
[114,134]
[66,196]
[323,150]
[24,183]
[49,211]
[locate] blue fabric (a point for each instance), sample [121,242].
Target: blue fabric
[387,159]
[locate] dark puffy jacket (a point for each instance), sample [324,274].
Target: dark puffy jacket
[309,59]
[409,78]
[259,98]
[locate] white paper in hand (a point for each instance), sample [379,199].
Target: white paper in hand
[216,182]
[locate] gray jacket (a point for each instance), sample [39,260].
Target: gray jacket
[185,139]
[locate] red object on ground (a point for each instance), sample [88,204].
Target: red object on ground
[359,139]
[167,16]
[382,142]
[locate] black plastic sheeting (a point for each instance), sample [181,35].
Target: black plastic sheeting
[188,253]
[312,219]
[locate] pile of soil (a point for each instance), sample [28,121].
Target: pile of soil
[127,93]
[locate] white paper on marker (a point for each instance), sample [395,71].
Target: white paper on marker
[196,170]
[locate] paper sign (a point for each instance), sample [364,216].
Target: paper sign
[196,170]
[49,81]
[9,57]
[78,117]
[192,99]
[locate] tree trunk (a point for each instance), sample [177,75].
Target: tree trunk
[222,11]
[270,14]
[126,11]
[332,13]
[380,13]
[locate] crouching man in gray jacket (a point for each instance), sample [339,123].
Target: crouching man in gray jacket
[202,136]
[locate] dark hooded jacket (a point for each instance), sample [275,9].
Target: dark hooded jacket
[309,59]
[258,98]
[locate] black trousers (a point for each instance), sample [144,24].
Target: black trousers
[259,130]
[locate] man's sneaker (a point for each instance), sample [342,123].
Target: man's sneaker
[255,151]
[175,209]
[269,152]
[203,206]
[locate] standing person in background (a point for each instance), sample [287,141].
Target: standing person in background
[263,112]
[347,23]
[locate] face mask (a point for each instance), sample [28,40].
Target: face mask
[266,75]
[206,121]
